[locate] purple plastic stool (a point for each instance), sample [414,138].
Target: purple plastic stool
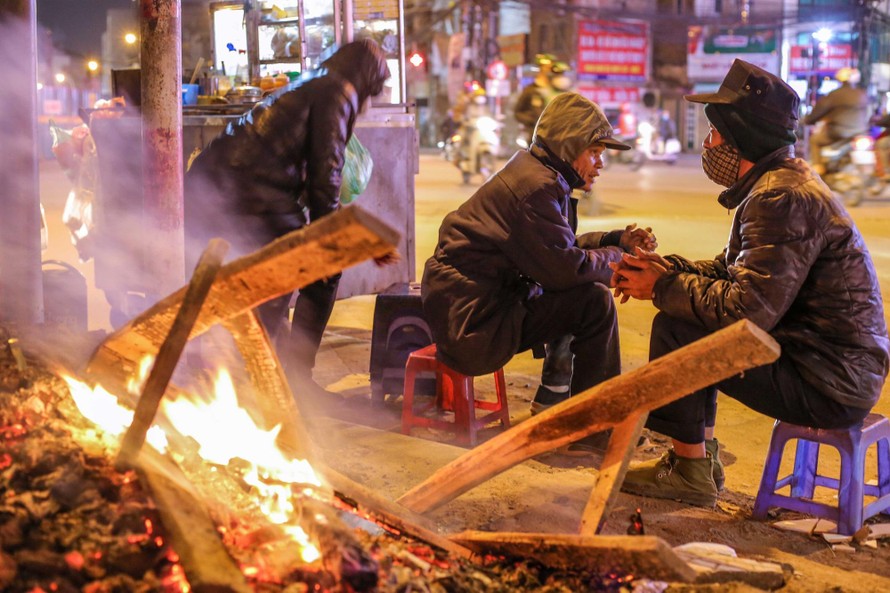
[852,444]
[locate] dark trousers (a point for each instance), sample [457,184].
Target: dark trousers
[776,390]
[558,360]
[588,314]
[312,310]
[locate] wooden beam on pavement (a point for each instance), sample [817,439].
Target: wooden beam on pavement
[639,555]
[704,362]
[170,350]
[611,473]
[207,564]
[366,501]
[273,395]
[321,249]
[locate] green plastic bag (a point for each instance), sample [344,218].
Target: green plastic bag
[356,171]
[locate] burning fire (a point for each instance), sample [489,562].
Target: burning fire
[224,432]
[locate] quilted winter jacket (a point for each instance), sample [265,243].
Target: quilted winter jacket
[279,166]
[795,265]
[513,238]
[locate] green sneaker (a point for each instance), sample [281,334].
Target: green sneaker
[676,478]
[712,446]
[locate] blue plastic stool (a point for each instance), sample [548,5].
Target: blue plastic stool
[852,444]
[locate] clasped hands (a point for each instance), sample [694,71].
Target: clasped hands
[635,275]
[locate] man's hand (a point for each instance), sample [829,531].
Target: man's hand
[388,259]
[634,236]
[635,275]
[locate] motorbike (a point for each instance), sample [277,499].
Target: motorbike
[478,144]
[850,168]
[649,148]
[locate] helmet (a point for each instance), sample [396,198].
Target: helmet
[559,68]
[544,59]
[850,75]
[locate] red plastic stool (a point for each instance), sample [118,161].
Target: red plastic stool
[852,444]
[454,393]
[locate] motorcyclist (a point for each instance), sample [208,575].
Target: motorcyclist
[534,97]
[844,113]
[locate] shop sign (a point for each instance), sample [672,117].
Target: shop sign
[609,97]
[613,50]
[712,49]
[831,58]
[52,107]
[512,49]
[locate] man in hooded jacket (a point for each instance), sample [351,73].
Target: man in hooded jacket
[508,272]
[277,169]
[795,265]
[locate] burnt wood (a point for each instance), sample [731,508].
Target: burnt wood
[207,565]
[638,555]
[321,249]
[171,349]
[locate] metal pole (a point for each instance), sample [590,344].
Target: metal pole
[21,285]
[161,28]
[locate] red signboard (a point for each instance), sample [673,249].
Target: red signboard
[829,58]
[609,96]
[613,50]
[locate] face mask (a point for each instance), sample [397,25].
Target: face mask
[721,164]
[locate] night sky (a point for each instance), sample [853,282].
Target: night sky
[77,25]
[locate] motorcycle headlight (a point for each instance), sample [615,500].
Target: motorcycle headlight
[863,143]
[486,124]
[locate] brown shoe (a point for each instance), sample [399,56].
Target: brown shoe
[678,478]
[712,446]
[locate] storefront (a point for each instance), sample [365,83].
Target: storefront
[255,41]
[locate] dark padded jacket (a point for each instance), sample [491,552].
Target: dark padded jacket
[279,166]
[513,238]
[796,266]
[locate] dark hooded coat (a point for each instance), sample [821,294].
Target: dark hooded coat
[279,167]
[512,239]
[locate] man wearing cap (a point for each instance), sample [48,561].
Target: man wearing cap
[508,272]
[795,265]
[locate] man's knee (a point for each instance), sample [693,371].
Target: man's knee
[670,333]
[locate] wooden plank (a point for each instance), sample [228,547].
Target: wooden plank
[639,555]
[273,395]
[207,564]
[387,512]
[317,251]
[170,350]
[711,359]
[612,470]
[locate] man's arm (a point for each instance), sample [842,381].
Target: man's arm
[325,154]
[762,283]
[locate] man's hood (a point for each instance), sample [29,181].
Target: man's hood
[362,63]
[571,123]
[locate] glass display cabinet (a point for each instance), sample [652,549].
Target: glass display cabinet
[255,41]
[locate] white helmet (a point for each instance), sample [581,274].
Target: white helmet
[850,75]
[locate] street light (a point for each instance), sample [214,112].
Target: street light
[93,66]
[823,35]
[130,38]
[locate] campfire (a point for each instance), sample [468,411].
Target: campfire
[71,521]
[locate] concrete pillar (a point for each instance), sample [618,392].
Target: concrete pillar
[161,34]
[21,286]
